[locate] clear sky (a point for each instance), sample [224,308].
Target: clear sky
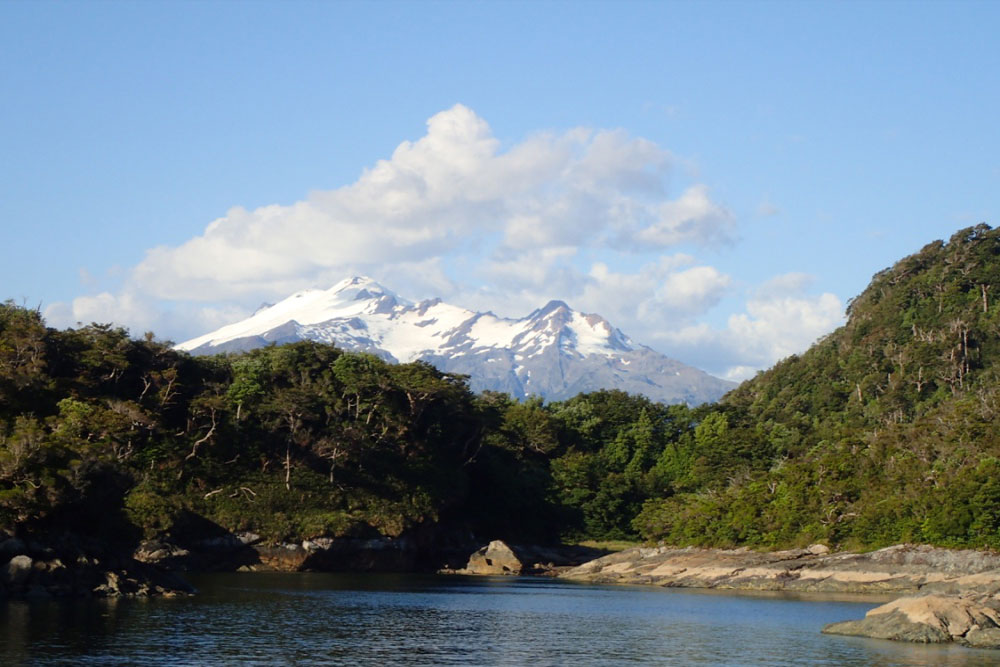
[716,178]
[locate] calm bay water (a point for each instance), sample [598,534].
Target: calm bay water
[342,619]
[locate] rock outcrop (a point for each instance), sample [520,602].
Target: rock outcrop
[213,549]
[495,558]
[970,620]
[68,567]
[899,569]
[958,600]
[501,558]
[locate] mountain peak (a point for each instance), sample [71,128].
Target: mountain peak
[357,283]
[554,352]
[551,308]
[553,305]
[363,288]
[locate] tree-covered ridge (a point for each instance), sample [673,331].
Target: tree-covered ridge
[99,431]
[299,438]
[305,440]
[920,334]
[884,431]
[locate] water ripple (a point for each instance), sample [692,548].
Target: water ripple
[323,619]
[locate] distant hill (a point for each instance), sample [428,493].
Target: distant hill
[554,352]
[924,335]
[885,431]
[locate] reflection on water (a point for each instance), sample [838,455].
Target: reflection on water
[333,619]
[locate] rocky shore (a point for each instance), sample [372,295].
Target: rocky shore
[499,558]
[899,569]
[949,595]
[971,620]
[450,555]
[70,566]
[246,552]
[65,564]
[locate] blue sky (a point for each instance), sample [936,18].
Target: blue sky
[718,179]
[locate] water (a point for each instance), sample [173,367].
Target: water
[341,619]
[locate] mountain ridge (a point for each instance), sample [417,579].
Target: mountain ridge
[554,352]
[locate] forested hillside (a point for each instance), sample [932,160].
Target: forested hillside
[885,431]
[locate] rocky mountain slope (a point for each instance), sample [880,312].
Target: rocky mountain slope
[554,352]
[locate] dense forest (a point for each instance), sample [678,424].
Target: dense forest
[885,431]
[882,432]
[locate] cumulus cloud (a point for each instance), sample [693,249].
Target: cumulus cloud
[583,215]
[785,284]
[665,292]
[435,195]
[774,327]
[139,314]
[692,217]
[780,319]
[127,307]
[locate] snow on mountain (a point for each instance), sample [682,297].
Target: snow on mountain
[554,352]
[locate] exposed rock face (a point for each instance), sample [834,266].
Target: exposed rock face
[223,552]
[973,621]
[70,568]
[495,558]
[898,569]
[382,554]
[245,552]
[499,557]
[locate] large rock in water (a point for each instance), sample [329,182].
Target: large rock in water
[930,619]
[495,558]
[16,571]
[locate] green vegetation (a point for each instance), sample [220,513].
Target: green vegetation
[883,432]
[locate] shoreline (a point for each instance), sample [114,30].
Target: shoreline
[896,570]
[932,595]
[878,575]
[929,594]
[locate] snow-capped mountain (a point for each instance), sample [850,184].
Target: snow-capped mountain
[554,352]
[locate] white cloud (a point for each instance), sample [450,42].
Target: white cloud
[740,373]
[435,196]
[660,291]
[779,320]
[775,327]
[127,307]
[137,313]
[691,218]
[585,216]
[694,290]
[785,284]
